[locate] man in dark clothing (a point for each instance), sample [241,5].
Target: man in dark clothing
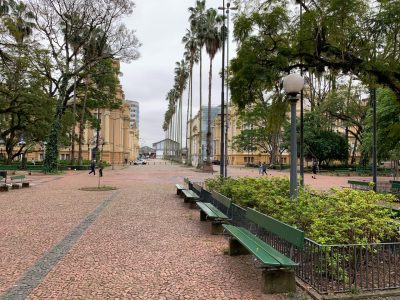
[264,168]
[93,167]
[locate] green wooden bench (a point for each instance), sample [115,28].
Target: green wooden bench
[359,185]
[217,217]
[395,188]
[3,186]
[19,181]
[278,274]
[180,188]
[192,195]
[343,171]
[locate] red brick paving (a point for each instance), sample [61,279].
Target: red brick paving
[146,244]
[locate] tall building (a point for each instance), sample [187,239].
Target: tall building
[134,113]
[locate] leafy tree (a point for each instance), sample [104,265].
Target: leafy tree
[388,127]
[347,38]
[60,22]
[320,143]
[25,107]
[345,105]
[263,124]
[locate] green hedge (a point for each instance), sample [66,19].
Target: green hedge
[339,217]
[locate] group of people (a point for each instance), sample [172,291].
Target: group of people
[262,168]
[93,168]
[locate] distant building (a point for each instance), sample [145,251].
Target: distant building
[147,152]
[134,113]
[198,148]
[166,148]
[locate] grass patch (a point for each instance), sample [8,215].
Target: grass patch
[98,189]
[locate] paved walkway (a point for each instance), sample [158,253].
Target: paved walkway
[139,242]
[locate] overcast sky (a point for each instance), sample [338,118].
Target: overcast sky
[160,26]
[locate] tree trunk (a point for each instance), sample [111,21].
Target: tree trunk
[209,116]
[51,159]
[82,121]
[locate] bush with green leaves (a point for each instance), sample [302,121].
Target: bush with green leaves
[336,217]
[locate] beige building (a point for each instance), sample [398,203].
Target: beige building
[118,140]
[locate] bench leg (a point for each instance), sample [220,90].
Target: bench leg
[278,281]
[15,186]
[236,248]
[185,199]
[192,204]
[25,184]
[203,216]
[216,228]
[3,188]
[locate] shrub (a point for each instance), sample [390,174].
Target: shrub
[336,217]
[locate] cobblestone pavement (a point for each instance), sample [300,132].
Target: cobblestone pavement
[139,242]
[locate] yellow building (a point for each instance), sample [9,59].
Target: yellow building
[118,140]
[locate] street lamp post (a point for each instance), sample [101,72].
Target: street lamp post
[293,84]
[222,149]
[228,9]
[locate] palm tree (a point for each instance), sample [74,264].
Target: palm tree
[196,19]
[213,39]
[181,76]
[191,54]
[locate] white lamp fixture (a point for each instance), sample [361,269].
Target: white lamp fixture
[293,84]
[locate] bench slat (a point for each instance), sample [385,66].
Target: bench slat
[264,252]
[179,187]
[284,231]
[222,199]
[206,210]
[219,214]
[190,194]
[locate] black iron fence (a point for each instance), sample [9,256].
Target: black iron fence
[330,268]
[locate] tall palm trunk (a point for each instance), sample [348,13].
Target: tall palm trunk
[180,126]
[187,127]
[209,116]
[191,108]
[200,161]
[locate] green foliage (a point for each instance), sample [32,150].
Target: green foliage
[320,143]
[337,217]
[262,124]
[388,127]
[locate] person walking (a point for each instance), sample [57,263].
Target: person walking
[101,167]
[259,168]
[264,168]
[93,167]
[314,170]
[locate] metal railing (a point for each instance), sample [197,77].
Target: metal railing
[330,268]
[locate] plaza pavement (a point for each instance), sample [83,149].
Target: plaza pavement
[138,242]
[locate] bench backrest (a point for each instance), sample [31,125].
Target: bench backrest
[1,178]
[395,185]
[196,188]
[355,182]
[17,177]
[284,231]
[225,201]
